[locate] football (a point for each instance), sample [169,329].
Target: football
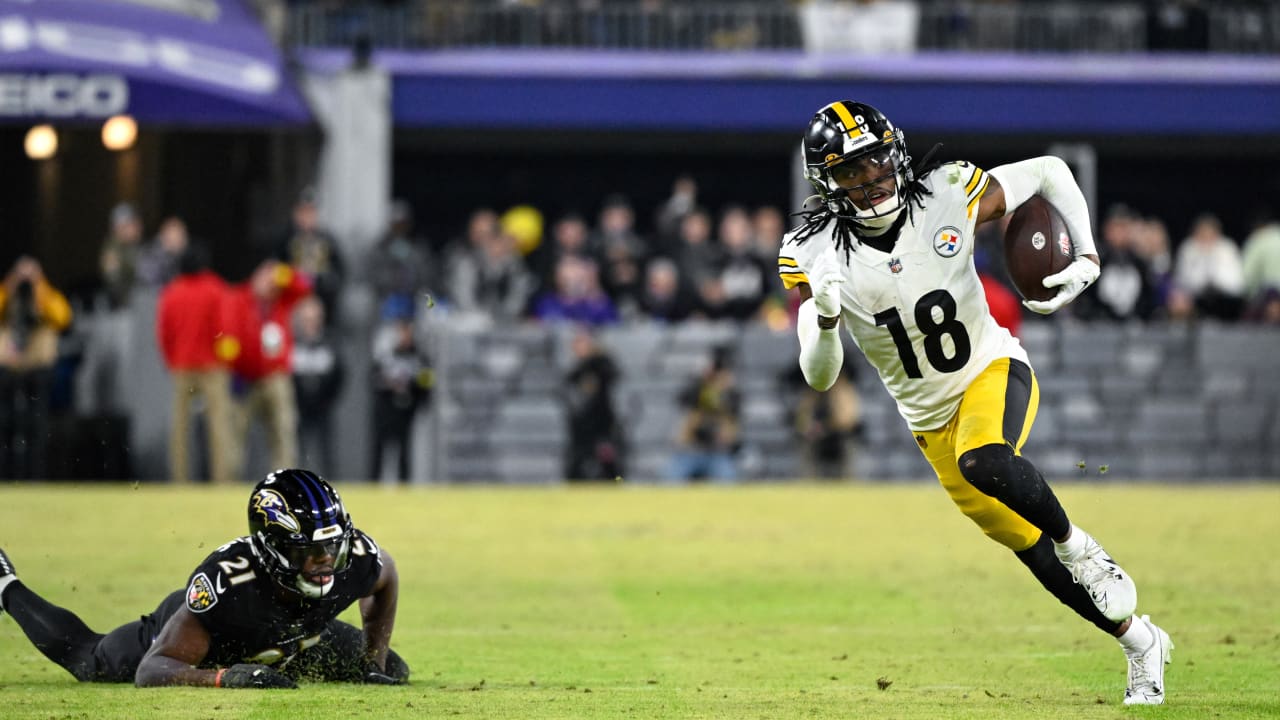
[1036,245]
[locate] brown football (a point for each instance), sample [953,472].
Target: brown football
[1036,245]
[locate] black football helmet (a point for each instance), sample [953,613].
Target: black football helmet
[295,515]
[851,147]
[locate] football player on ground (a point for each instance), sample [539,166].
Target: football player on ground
[890,253]
[259,612]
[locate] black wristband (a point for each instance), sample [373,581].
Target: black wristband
[828,323]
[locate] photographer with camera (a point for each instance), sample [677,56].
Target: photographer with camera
[32,314]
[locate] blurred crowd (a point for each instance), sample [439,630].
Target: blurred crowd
[264,354]
[604,270]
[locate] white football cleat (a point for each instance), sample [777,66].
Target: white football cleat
[1146,668]
[1110,588]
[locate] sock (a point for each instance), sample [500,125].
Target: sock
[4,583]
[1137,638]
[1074,545]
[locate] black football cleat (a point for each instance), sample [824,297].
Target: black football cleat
[7,575]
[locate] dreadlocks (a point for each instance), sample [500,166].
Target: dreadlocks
[845,234]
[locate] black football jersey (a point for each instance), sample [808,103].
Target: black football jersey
[249,621]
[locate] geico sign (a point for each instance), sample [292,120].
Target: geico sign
[63,95]
[122,48]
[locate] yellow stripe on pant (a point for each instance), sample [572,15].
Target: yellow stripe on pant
[997,408]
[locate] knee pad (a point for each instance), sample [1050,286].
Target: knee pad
[988,469]
[996,472]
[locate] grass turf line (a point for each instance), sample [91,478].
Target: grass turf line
[751,602]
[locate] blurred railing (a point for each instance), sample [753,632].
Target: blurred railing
[972,25]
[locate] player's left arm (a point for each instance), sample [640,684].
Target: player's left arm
[378,612]
[1051,178]
[817,321]
[172,658]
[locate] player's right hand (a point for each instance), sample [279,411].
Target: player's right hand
[1072,280]
[246,675]
[825,279]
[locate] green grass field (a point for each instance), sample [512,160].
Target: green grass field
[793,601]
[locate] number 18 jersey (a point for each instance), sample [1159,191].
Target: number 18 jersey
[918,312]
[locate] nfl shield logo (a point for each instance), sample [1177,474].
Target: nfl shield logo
[895,266]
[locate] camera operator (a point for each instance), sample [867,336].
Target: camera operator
[32,314]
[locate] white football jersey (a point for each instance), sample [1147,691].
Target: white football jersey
[918,313]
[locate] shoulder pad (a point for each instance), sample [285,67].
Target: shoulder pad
[227,567]
[370,547]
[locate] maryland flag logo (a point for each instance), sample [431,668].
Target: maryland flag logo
[274,511]
[200,594]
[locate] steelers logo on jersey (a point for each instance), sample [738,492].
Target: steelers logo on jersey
[947,241]
[200,594]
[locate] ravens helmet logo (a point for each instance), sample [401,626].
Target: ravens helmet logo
[274,510]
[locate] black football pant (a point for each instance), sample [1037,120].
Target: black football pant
[114,657]
[89,656]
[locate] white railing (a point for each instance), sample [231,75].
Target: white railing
[726,25]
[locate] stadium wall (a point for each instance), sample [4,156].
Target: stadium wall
[774,91]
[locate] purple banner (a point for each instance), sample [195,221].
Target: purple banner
[777,90]
[179,62]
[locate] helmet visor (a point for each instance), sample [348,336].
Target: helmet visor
[333,555]
[865,169]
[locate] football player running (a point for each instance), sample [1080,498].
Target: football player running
[889,253]
[259,612]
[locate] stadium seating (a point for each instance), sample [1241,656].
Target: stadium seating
[1151,401]
[1155,401]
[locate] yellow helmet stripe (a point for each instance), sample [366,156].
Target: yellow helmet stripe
[846,117]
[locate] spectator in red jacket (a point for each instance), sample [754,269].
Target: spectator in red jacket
[258,340]
[1004,305]
[188,323]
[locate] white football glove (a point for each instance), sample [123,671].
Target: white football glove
[825,278]
[1072,280]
